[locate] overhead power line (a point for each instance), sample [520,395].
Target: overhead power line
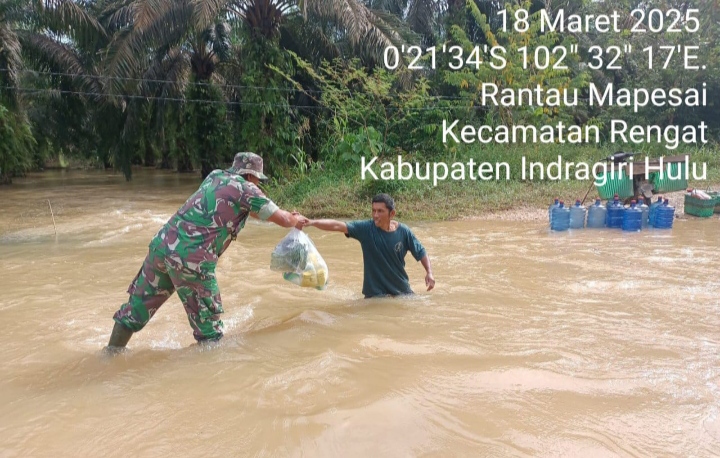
[195,83]
[37,91]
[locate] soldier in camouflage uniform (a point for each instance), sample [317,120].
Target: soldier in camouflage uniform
[183,255]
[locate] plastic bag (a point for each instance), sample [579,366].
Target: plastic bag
[699,194]
[299,261]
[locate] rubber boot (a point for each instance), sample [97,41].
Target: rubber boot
[118,339]
[209,342]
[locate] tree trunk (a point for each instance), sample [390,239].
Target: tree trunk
[149,154]
[184,161]
[165,161]
[206,169]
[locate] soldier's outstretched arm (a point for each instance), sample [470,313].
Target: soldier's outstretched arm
[285,218]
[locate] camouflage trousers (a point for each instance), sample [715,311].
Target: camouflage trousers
[158,278]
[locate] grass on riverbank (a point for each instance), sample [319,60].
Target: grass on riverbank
[338,191]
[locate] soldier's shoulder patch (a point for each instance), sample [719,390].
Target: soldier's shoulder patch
[257,202]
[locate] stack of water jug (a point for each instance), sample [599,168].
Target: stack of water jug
[634,217]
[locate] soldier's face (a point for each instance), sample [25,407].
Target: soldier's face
[253,179]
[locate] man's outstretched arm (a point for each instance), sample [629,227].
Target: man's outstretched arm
[328,225]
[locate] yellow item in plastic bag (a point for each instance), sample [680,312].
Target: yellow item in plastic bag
[321,277]
[310,269]
[307,279]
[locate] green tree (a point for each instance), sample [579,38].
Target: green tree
[57,38]
[517,70]
[16,143]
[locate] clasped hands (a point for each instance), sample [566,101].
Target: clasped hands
[302,221]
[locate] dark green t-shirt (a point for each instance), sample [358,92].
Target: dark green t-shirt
[384,257]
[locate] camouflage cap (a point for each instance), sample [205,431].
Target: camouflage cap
[248,163]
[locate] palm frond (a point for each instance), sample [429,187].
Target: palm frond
[10,55]
[205,12]
[362,26]
[120,58]
[167,75]
[69,18]
[220,81]
[118,15]
[307,39]
[264,17]
[396,7]
[423,15]
[156,23]
[12,10]
[392,25]
[45,52]
[178,71]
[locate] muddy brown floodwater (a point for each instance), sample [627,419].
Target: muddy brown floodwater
[592,343]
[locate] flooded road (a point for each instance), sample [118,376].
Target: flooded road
[589,344]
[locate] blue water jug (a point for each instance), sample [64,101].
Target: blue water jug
[610,203]
[555,204]
[560,218]
[653,211]
[632,218]
[645,212]
[596,215]
[615,212]
[577,216]
[664,216]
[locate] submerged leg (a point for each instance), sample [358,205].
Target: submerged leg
[150,289]
[200,295]
[118,339]
[203,313]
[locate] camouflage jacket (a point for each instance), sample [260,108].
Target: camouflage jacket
[202,229]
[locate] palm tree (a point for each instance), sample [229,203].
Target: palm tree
[197,33]
[50,36]
[421,17]
[357,22]
[10,50]
[163,49]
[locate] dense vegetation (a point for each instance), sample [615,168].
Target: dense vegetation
[184,84]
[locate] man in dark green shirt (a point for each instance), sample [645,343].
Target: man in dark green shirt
[384,243]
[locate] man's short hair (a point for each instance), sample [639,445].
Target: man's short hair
[385,199]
